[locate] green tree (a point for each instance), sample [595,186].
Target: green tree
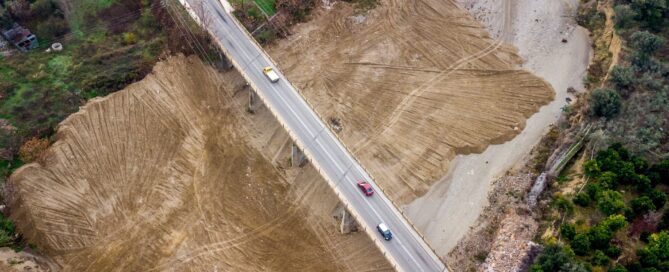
[591,168]
[611,202]
[646,42]
[618,268]
[664,221]
[555,258]
[647,258]
[613,251]
[599,258]
[581,244]
[568,231]
[43,8]
[642,205]
[658,244]
[622,77]
[650,12]
[563,205]
[642,183]
[658,197]
[626,173]
[604,103]
[660,171]
[582,199]
[615,222]
[608,180]
[593,190]
[599,237]
[624,16]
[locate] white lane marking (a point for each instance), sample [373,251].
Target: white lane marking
[328,154]
[398,241]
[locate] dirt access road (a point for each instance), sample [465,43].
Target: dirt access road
[162,176]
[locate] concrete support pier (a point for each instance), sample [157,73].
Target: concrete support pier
[296,156]
[253,98]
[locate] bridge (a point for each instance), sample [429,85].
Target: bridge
[407,251]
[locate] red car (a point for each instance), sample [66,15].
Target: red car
[366,188]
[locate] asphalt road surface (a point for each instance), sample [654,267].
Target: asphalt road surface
[406,251]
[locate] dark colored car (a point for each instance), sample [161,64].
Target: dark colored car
[366,188]
[385,231]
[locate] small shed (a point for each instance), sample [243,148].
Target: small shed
[21,37]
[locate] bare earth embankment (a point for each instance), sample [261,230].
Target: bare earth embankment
[414,83]
[161,177]
[553,47]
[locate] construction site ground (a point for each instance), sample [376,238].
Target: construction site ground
[417,84]
[174,173]
[163,176]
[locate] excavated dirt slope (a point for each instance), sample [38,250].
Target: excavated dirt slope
[414,83]
[161,177]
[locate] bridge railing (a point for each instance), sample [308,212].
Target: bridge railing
[396,208]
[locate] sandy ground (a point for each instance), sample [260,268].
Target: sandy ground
[414,83]
[163,176]
[12,261]
[537,28]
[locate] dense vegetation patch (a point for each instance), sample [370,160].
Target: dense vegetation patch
[616,218]
[617,221]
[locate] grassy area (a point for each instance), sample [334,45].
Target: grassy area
[107,45]
[268,6]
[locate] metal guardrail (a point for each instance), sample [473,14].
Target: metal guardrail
[303,146]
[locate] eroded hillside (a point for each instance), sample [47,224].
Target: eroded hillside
[414,83]
[160,177]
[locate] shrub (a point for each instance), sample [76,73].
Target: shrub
[650,12]
[658,244]
[43,8]
[642,183]
[664,221]
[555,258]
[610,202]
[581,244]
[624,16]
[614,222]
[658,197]
[599,258]
[647,258]
[599,237]
[642,205]
[626,173]
[591,168]
[646,42]
[129,38]
[593,190]
[33,149]
[52,28]
[6,231]
[640,165]
[568,231]
[266,36]
[622,77]
[563,205]
[582,199]
[661,171]
[618,268]
[608,180]
[613,251]
[604,103]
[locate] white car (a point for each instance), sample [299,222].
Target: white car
[271,74]
[385,231]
